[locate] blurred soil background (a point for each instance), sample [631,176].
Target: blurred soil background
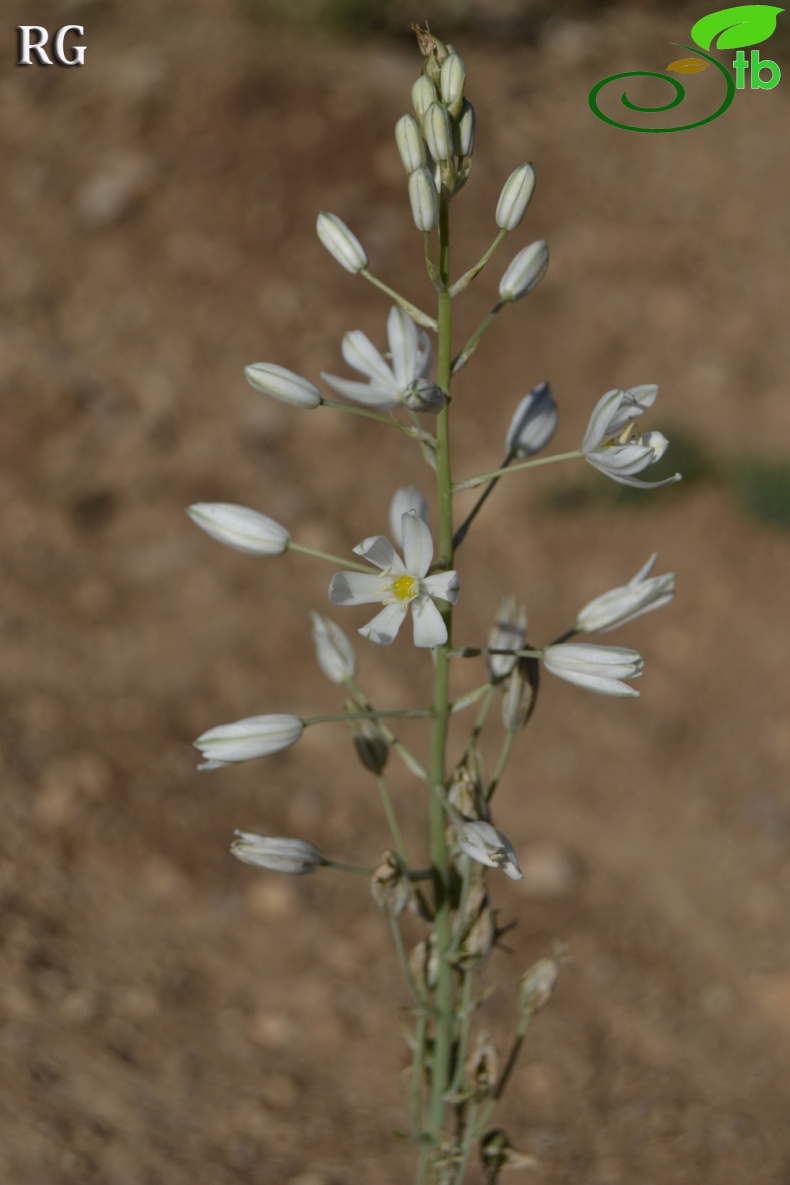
[169,1016]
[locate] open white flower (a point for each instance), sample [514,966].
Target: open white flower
[389,384]
[598,668]
[621,605]
[488,846]
[399,587]
[612,444]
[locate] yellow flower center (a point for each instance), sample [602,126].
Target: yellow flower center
[404,587]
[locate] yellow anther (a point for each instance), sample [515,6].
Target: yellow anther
[404,587]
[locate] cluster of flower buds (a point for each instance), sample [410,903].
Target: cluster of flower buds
[436,143]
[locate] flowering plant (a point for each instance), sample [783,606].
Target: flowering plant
[456,1083]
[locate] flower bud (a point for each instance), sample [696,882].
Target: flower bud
[255,736]
[451,83]
[481,1066]
[423,395]
[464,130]
[239,527]
[534,422]
[525,271]
[507,633]
[519,698]
[390,886]
[424,199]
[433,50]
[478,926]
[282,384]
[515,196]
[641,595]
[411,144]
[369,741]
[423,93]
[488,846]
[294,856]
[537,984]
[438,132]
[341,242]
[424,963]
[333,649]
[497,1153]
[466,791]
[403,500]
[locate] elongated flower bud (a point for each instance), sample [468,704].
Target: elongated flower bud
[464,130]
[598,668]
[534,422]
[537,984]
[507,633]
[451,83]
[239,527]
[341,242]
[525,271]
[244,740]
[294,856]
[438,132]
[333,649]
[411,144]
[424,199]
[423,93]
[641,595]
[515,197]
[282,384]
[519,698]
[369,741]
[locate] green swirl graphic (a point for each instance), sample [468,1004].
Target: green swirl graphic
[680,95]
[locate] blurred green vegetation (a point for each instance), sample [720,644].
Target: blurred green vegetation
[759,486]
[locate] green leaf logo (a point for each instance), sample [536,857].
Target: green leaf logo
[746,24]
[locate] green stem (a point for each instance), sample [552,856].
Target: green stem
[339,866]
[392,818]
[405,754]
[469,483]
[461,533]
[480,722]
[403,959]
[400,713]
[332,559]
[416,314]
[478,651]
[466,353]
[504,756]
[440,860]
[467,277]
[417,1074]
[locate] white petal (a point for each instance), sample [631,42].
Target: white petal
[385,625]
[605,414]
[378,550]
[644,572]
[368,394]
[417,544]
[359,352]
[443,584]
[598,683]
[406,498]
[424,355]
[356,588]
[402,335]
[429,627]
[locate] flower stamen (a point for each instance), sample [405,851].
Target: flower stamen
[405,587]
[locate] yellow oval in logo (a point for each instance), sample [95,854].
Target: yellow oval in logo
[688,65]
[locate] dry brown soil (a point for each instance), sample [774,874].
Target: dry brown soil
[169,1016]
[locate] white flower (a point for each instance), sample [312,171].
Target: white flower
[333,649]
[400,586]
[598,668]
[488,846]
[534,422]
[341,243]
[611,442]
[621,605]
[295,856]
[239,527]
[244,740]
[403,500]
[387,385]
[411,144]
